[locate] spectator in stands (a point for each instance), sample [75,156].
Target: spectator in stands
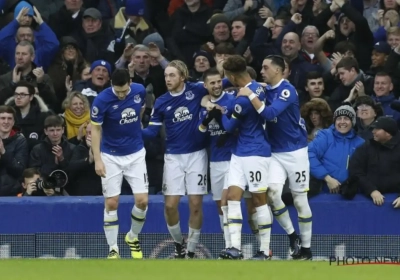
[350,75]
[376,163]
[43,38]
[159,55]
[190,29]
[76,116]
[100,71]
[386,20]
[26,70]
[367,112]
[130,26]
[258,10]
[95,37]
[393,36]
[67,19]
[317,115]
[383,89]
[83,177]
[31,111]
[66,69]
[220,28]
[13,153]
[242,31]
[30,177]
[332,148]
[314,86]
[202,62]
[54,152]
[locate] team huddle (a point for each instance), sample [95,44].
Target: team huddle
[257,141]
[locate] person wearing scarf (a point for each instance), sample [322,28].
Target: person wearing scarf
[76,116]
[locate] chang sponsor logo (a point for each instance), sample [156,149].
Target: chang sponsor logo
[182,114]
[128,115]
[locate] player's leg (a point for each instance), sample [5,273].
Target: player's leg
[237,184]
[252,215]
[276,181]
[299,178]
[256,171]
[111,191]
[196,186]
[135,173]
[173,188]
[219,173]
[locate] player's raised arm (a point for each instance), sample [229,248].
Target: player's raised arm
[268,112]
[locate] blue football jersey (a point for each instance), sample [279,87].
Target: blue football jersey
[180,113]
[214,130]
[252,138]
[120,120]
[286,128]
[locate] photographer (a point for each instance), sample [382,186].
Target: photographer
[30,178]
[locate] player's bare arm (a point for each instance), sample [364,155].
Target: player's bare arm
[255,101]
[98,162]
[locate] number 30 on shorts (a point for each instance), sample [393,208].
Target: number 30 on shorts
[301,177]
[255,176]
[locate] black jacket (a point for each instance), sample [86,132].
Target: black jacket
[12,164]
[43,158]
[33,124]
[377,166]
[83,178]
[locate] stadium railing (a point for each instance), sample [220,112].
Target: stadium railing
[72,227]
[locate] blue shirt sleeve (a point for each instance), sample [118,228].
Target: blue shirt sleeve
[98,111]
[316,151]
[287,97]
[240,109]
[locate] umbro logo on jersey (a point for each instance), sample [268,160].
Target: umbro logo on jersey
[115,107]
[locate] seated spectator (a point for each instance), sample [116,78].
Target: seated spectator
[22,29]
[26,70]
[83,177]
[317,115]
[367,112]
[331,149]
[13,153]
[30,177]
[100,72]
[30,112]
[76,116]
[54,152]
[376,163]
[66,69]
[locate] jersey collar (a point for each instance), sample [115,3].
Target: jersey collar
[179,93]
[218,99]
[278,84]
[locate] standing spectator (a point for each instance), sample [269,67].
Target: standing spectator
[13,153]
[190,29]
[31,111]
[44,39]
[332,148]
[67,19]
[376,163]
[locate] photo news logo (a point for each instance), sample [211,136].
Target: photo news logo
[355,260]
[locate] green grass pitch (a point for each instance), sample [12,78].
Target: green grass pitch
[40,269]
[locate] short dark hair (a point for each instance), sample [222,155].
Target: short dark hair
[30,172]
[9,110]
[211,72]
[235,64]
[225,48]
[383,74]
[29,86]
[277,60]
[344,47]
[313,75]
[53,121]
[348,63]
[120,77]
[252,72]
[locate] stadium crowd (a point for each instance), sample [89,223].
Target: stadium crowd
[57,56]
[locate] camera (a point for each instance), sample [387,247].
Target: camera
[56,179]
